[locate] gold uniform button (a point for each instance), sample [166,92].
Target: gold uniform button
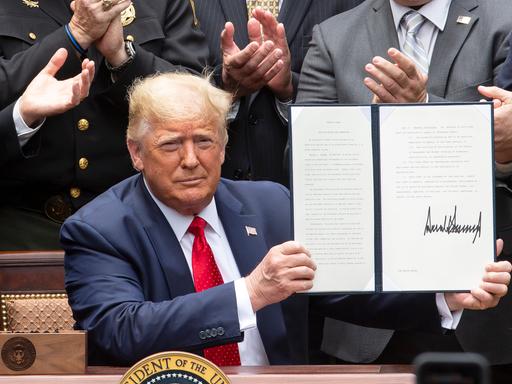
[83,125]
[75,193]
[130,38]
[83,163]
[32,35]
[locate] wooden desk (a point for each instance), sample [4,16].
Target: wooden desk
[43,271]
[32,271]
[314,374]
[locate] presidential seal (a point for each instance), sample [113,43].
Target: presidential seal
[18,354]
[174,368]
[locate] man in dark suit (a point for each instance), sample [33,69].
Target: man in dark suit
[350,61]
[76,155]
[258,135]
[158,261]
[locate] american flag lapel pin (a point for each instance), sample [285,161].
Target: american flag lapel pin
[463,20]
[251,231]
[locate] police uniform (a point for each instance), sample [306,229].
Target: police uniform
[81,153]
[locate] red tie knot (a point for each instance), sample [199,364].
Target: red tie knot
[197,226]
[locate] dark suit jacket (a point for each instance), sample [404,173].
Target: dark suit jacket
[258,136]
[333,70]
[165,39]
[130,287]
[504,79]
[465,56]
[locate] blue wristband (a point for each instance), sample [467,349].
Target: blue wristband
[77,46]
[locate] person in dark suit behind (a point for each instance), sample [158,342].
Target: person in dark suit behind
[46,96]
[504,79]
[78,154]
[361,56]
[497,337]
[177,258]
[258,135]
[502,121]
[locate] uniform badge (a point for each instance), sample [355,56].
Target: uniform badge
[193,6]
[128,15]
[31,3]
[174,368]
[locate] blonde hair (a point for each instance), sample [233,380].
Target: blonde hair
[176,98]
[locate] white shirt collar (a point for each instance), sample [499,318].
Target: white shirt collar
[436,12]
[180,223]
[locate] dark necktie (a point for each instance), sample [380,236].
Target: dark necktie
[207,275]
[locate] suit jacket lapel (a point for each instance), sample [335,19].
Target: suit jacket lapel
[291,15]
[381,29]
[248,252]
[448,44]
[164,242]
[58,10]
[236,12]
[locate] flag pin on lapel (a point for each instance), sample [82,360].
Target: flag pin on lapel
[251,231]
[463,20]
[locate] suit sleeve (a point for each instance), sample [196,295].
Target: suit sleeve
[108,299]
[317,82]
[504,79]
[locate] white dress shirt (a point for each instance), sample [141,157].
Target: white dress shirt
[252,351]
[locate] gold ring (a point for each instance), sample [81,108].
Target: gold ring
[107,4]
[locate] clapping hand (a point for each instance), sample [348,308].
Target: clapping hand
[47,96]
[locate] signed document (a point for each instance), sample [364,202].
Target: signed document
[394,198]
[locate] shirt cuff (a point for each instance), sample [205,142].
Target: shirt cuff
[449,319]
[282,108]
[246,316]
[24,132]
[233,111]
